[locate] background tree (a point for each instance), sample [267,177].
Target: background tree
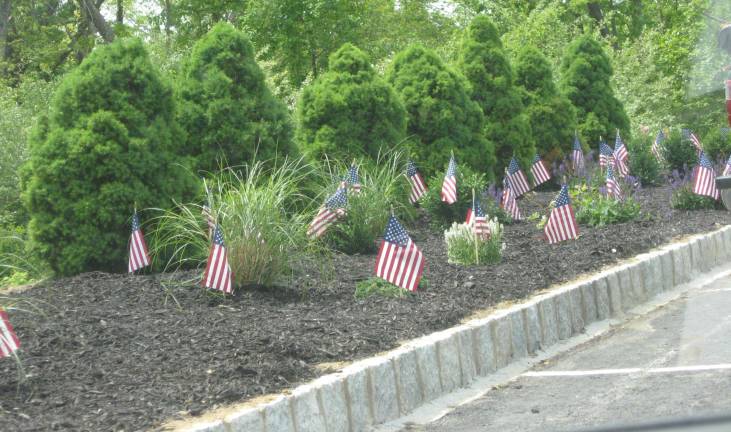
[227,111]
[349,110]
[485,65]
[441,115]
[586,80]
[107,144]
[551,115]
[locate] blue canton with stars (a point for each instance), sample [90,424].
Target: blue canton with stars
[536,159]
[618,142]
[411,169]
[660,137]
[577,143]
[337,200]
[452,168]
[135,222]
[353,177]
[513,166]
[610,172]
[563,197]
[218,236]
[395,233]
[478,209]
[704,162]
[604,149]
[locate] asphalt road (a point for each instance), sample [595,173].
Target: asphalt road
[672,363]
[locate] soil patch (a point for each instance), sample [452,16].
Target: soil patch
[119,352]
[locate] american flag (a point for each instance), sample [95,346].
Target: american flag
[516,178]
[690,135]
[704,178]
[477,219]
[418,187]
[508,202]
[539,171]
[657,145]
[138,256]
[218,272]
[606,155]
[399,261]
[333,209]
[353,179]
[621,157]
[9,342]
[613,189]
[561,223]
[449,187]
[727,168]
[577,156]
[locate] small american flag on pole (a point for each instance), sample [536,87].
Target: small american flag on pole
[418,187]
[449,186]
[9,342]
[561,223]
[704,178]
[613,189]
[508,202]
[577,156]
[138,256]
[657,145]
[621,156]
[539,171]
[690,135]
[353,179]
[727,168]
[477,219]
[606,155]
[218,272]
[333,209]
[399,261]
[516,178]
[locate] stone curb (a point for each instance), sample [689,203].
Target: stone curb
[380,389]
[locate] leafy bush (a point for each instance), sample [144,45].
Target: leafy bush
[441,115]
[228,113]
[716,144]
[486,66]
[642,162]
[108,143]
[467,248]
[384,187]
[441,214]
[585,78]
[552,117]
[678,153]
[264,239]
[684,199]
[379,287]
[349,111]
[18,265]
[595,209]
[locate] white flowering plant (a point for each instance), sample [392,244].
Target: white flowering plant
[465,247]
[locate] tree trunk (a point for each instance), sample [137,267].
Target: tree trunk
[5,7]
[96,18]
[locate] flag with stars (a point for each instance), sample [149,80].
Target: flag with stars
[613,189]
[621,156]
[516,178]
[577,156]
[332,210]
[657,145]
[352,179]
[539,171]
[418,187]
[477,219]
[561,223]
[508,203]
[606,155]
[704,178]
[449,186]
[399,261]
[218,272]
[9,342]
[727,168]
[690,135]
[138,255]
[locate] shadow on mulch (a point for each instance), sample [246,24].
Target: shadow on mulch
[119,352]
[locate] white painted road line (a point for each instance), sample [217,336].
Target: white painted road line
[625,371]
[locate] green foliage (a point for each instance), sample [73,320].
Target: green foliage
[384,186]
[586,79]
[442,117]
[264,238]
[487,68]
[717,144]
[685,199]
[18,265]
[678,153]
[551,115]
[349,111]
[594,209]
[642,162]
[228,113]
[467,248]
[108,143]
[441,214]
[378,287]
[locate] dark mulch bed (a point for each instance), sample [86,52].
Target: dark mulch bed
[114,352]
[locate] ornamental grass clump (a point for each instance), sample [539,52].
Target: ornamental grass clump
[594,208]
[255,207]
[466,248]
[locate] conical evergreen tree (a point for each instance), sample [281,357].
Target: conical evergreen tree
[483,61]
[585,79]
[441,115]
[226,109]
[551,115]
[108,143]
[349,110]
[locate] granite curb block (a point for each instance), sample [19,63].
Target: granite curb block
[385,387]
